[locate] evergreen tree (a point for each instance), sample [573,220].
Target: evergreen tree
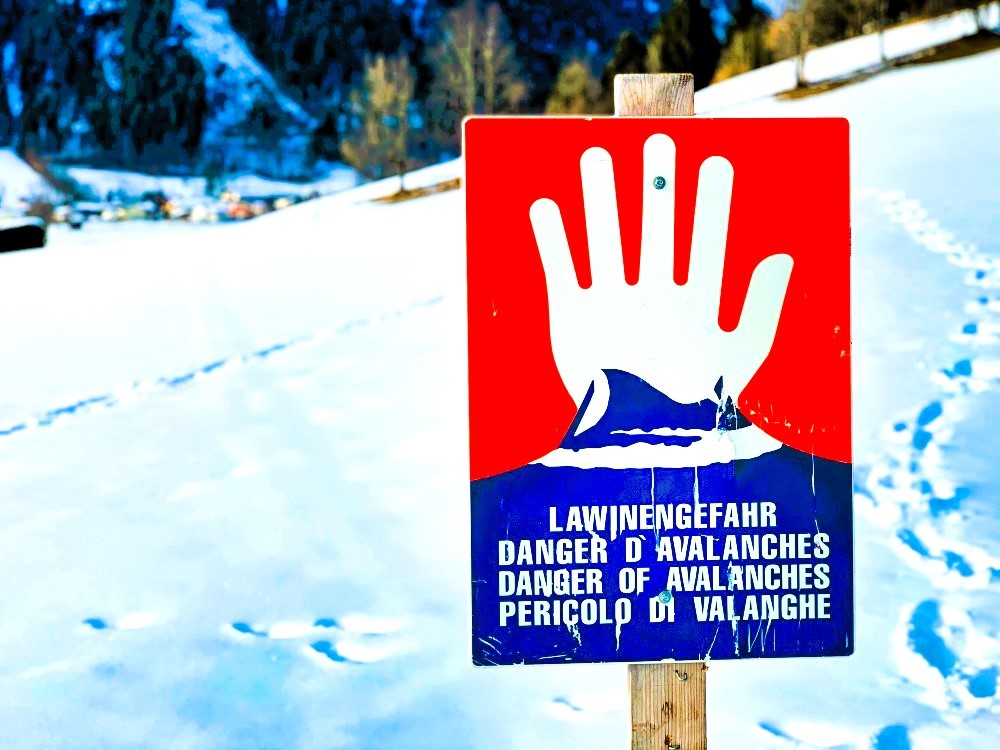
[188,99]
[629,57]
[164,100]
[83,71]
[747,46]
[321,44]
[326,139]
[39,120]
[684,41]
[745,13]
[833,20]
[576,92]
[11,12]
[258,22]
[104,115]
[6,118]
[145,27]
[746,50]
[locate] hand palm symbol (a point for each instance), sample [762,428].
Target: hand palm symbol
[662,332]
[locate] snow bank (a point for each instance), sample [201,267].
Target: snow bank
[915,37]
[340,178]
[333,204]
[105,182]
[748,87]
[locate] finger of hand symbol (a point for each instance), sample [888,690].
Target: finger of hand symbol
[553,249]
[658,208]
[753,337]
[600,203]
[711,226]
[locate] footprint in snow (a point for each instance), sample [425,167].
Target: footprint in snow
[893,737]
[353,639]
[132,621]
[978,333]
[810,736]
[938,646]
[957,664]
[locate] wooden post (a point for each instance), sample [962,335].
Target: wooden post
[668,705]
[668,699]
[654,95]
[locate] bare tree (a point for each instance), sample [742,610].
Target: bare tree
[475,67]
[378,144]
[791,35]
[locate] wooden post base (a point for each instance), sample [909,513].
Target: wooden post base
[668,706]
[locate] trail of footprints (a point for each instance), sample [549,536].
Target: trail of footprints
[938,646]
[353,639]
[138,390]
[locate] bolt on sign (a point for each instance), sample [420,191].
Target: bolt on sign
[660,392]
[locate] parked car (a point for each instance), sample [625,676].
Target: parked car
[240,211]
[89,209]
[67,214]
[22,233]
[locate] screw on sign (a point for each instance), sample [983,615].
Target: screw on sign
[659,379]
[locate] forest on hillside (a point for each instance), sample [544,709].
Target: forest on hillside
[196,86]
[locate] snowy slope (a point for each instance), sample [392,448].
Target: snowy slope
[234,479]
[848,57]
[236,83]
[236,80]
[19,182]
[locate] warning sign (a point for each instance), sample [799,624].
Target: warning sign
[659,366]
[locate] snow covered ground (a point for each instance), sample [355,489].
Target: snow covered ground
[233,469]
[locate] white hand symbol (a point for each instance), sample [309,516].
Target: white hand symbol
[666,334]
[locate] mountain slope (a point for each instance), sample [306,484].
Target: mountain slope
[236,79]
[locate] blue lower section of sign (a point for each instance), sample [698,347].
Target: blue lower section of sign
[751,558]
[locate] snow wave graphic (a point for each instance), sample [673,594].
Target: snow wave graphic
[140,389]
[937,645]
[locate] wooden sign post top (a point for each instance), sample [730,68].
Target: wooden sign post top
[654,95]
[668,700]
